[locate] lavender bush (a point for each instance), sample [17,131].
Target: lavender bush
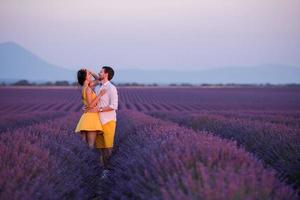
[154,159]
[277,145]
[48,161]
[42,158]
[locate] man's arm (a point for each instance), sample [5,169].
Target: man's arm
[97,109]
[105,109]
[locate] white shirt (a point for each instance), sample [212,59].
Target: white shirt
[109,99]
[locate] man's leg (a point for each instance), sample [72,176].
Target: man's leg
[109,152]
[102,161]
[105,142]
[99,144]
[108,155]
[105,155]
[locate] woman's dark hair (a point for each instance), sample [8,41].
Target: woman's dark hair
[110,72]
[81,76]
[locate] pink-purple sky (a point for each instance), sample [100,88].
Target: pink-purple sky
[156,34]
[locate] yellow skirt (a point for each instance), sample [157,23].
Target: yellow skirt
[89,122]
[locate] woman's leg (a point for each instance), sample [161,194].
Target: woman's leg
[91,137]
[83,136]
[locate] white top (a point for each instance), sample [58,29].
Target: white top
[110,98]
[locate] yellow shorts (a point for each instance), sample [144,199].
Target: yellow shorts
[106,140]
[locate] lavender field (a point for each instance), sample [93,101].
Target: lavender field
[171,143]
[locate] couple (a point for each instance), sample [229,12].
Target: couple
[98,122]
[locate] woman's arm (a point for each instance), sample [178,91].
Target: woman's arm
[93,102]
[96,77]
[96,81]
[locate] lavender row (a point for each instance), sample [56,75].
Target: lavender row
[151,99]
[288,118]
[263,99]
[154,159]
[37,95]
[12,121]
[16,100]
[47,161]
[277,145]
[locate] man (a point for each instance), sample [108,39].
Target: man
[107,110]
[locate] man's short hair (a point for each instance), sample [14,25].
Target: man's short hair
[110,71]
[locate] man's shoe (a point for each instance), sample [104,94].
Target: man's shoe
[105,174]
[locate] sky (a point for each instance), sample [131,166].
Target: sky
[156,34]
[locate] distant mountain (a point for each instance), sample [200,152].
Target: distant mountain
[18,63]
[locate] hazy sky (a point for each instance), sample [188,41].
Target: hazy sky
[155,34]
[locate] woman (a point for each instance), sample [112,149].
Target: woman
[89,124]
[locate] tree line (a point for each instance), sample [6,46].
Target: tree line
[134,84]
